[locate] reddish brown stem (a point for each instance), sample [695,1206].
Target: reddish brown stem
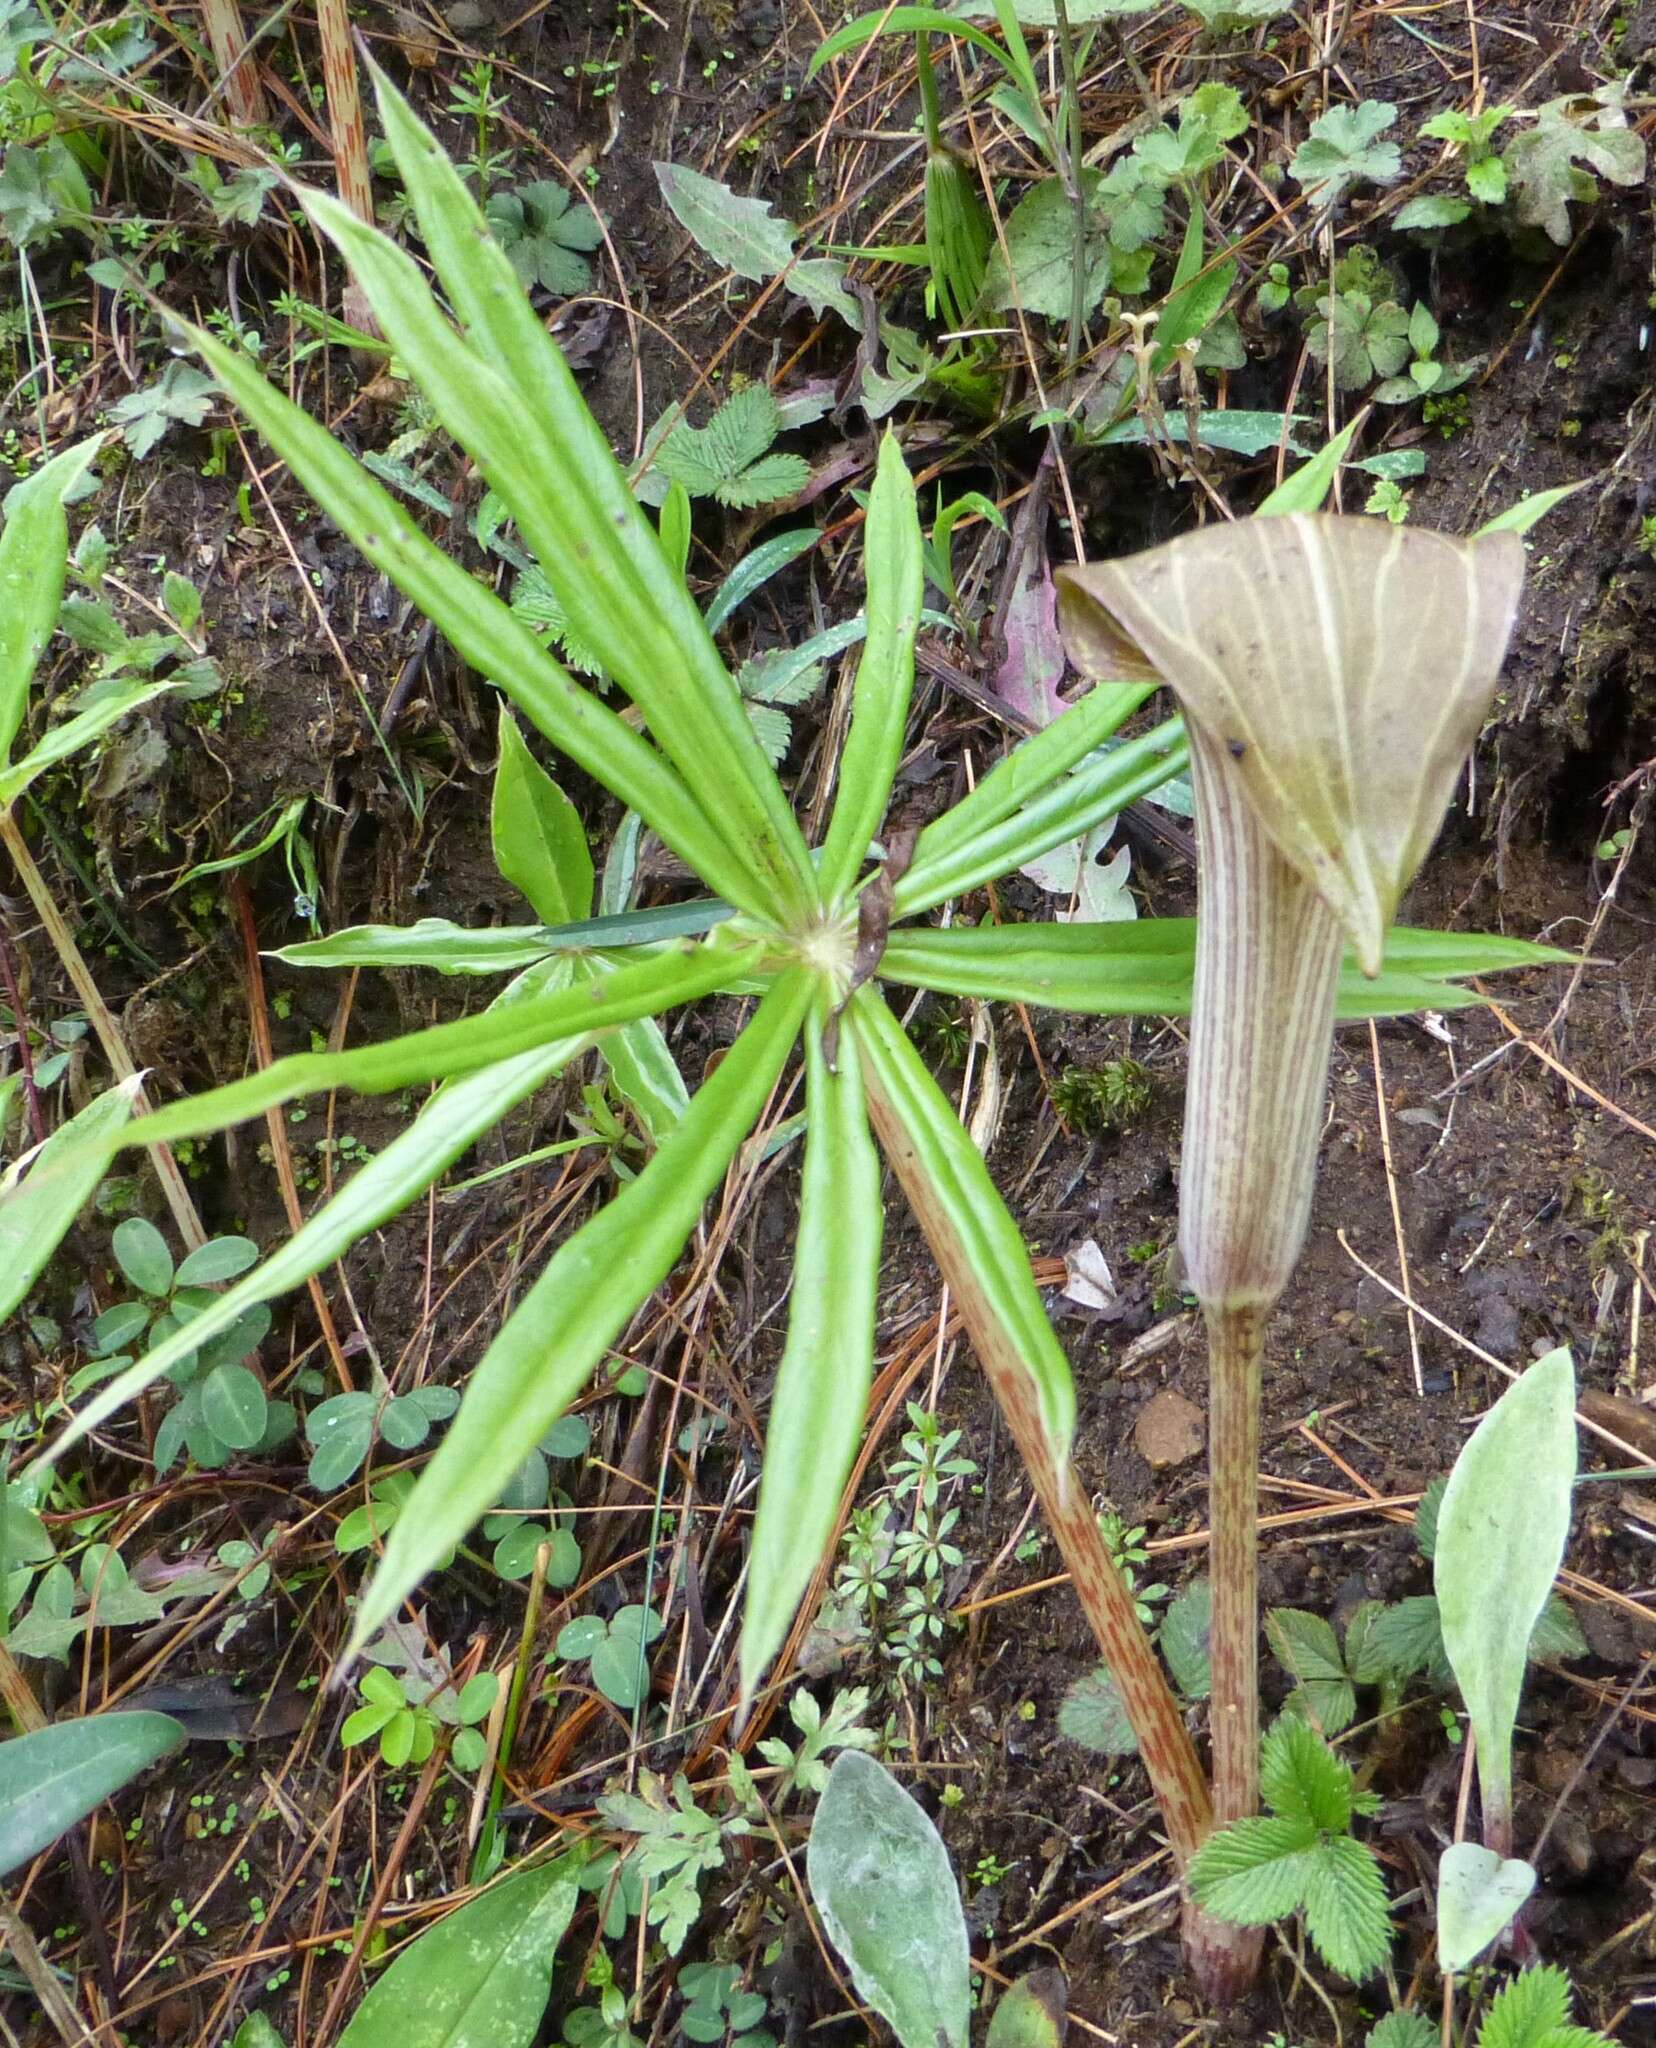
[1236,1340]
[242,94]
[1164,1742]
[350,137]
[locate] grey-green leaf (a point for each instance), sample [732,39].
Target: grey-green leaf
[1500,1539]
[1478,1894]
[886,1891]
[481,1977]
[56,1776]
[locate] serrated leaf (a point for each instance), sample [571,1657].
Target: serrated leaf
[1403,2030]
[1557,1634]
[1184,1639]
[1093,1713]
[1344,149]
[890,1903]
[1527,2012]
[764,482]
[1302,1779]
[1255,1871]
[1345,1908]
[1308,1650]
[1478,1893]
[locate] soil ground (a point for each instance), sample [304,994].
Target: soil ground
[1499,1167]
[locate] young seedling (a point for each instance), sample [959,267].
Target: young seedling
[1334,674]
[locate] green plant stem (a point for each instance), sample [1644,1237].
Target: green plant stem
[930,113]
[102,1021]
[1164,1742]
[1235,1348]
[1069,125]
[514,1709]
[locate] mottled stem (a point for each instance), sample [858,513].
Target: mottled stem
[1235,1347]
[1164,1742]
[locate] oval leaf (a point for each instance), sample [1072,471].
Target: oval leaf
[56,1776]
[885,1888]
[481,1977]
[1500,1538]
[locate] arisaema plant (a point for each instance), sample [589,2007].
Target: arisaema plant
[1334,674]
[812,933]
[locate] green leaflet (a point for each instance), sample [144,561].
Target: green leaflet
[540,844]
[1145,968]
[551,464]
[1067,810]
[445,1050]
[821,1395]
[55,1776]
[885,674]
[480,628]
[966,1205]
[456,1117]
[481,1977]
[546,1351]
[1500,1539]
[34,558]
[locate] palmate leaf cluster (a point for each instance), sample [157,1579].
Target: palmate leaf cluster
[1301,1856]
[797,928]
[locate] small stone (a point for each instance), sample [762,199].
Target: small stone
[1169,1429]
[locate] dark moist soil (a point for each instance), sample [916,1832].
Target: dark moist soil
[1521,1198]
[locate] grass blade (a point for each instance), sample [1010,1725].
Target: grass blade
[37,1211]
[818,1407]
[885,674]
[547,1350]
[480,628]
[34,558]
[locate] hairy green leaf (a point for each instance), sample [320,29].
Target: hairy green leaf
[1345,1907]
[1500,1539]
[1255,1871]
[882,1882]
[1478,1894]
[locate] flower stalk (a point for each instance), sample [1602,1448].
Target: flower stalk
[1333,675]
